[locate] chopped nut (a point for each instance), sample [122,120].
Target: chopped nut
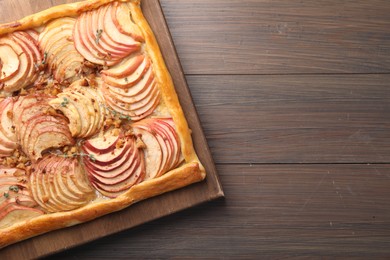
[23,92]
[116,131]
[84,83]
[140,144]
[73,150]
[10,114]
[120,144]
[117,123]
[45,198]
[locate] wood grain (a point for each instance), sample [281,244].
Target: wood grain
[270,211]
[290,119]
[280,36]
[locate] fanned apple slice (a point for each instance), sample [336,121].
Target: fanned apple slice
[84,45]
[60,184]
[9,61]
[17,201]
[119,49]
[82,106]
[60,195]
[97,19]
[16,82]
[158,135]
[100,40]
[116,189]
[130,89]
[121,156]
[35,54]
[35,134]
[56,41]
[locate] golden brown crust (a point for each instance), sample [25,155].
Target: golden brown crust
[192,171]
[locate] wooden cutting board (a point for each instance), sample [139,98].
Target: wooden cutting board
[143,211]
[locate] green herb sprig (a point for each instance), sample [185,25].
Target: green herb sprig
[116,113]
[14,188]
[65,102]
[74,155]
[98,35]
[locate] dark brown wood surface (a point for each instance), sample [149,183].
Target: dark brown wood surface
[294,100]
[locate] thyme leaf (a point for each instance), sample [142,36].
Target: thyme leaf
[98,35]
[64,102]
[14,188]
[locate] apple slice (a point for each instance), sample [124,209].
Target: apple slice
[136,89]
[35,54]
[116,189]
[121,16]
[33,33]
[29,51]
[173,138]
[114,33]
[126,67]
[120,173]
[9,61]
[103,143]
[7,130]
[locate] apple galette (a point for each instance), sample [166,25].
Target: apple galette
[90,120]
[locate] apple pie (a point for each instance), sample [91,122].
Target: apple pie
[90,120]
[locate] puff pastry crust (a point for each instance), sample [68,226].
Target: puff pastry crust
[189,171]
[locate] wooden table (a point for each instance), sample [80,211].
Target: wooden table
[294,98]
